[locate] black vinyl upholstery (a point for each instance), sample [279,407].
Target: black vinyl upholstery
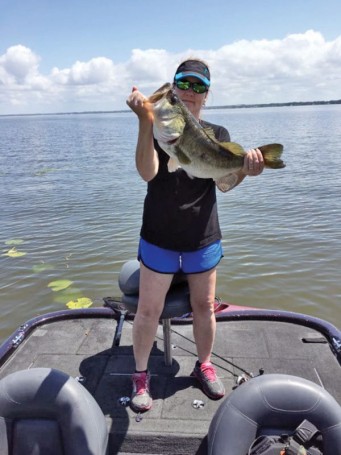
[45,411]
[177,300]
[273,403]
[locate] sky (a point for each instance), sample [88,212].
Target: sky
[85,55]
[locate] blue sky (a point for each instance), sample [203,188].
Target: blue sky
[85,55]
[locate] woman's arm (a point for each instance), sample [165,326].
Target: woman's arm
[146,158]
[253,165]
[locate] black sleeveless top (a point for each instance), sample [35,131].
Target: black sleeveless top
[180,212]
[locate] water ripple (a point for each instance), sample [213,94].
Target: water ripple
[70,191]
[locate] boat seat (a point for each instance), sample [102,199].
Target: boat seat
[176,304]
[45,411]
[273,404]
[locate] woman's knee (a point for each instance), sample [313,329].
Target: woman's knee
[149,310]
[203,306]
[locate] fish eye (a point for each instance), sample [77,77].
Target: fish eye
[173,98]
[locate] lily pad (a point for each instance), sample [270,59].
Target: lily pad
[14,242]
[14,253]
[59,285]
[68,294]
[38,268]
[82,302]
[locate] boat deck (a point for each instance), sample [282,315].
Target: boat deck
[84,348]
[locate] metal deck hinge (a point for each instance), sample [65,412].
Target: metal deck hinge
[19,338]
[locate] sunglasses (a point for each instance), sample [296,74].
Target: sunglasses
[195,86]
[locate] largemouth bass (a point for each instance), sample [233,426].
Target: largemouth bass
[195,148]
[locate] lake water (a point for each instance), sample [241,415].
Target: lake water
[70,193]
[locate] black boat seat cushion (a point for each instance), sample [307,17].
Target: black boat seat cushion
[177,300]
[273,404]
[45,411]
[29,434]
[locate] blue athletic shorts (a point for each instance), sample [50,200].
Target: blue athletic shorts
[168,261]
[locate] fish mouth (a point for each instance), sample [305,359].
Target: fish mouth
[172,141]
[160,93]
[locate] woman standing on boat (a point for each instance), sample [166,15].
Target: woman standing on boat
[180,232]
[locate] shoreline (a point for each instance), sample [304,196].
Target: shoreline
[231,106]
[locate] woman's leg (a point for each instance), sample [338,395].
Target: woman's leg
[152,293]
[202,291]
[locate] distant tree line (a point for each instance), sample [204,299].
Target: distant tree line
[231,106]
[291,103]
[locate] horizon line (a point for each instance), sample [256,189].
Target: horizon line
[229,106]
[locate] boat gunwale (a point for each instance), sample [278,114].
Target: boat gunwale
[9,346]
[331,333]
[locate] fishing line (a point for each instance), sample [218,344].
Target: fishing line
[249,374]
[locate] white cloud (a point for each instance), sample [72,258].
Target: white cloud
[21,84]
[96,71]
[18,63]
[299,67]
[293,69]
[149,66]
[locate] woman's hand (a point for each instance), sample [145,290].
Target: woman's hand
[253,163]
[139,104]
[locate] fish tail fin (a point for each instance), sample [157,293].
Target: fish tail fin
[272,155]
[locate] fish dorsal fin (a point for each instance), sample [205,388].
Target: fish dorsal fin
[233,148]
[210,133]
[227,182]
[173,164]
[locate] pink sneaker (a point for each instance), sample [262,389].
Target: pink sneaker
[141,399]
[210,383]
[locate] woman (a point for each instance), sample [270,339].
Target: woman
[180,231]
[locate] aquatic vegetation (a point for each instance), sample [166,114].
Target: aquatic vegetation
[14,253]
[82,302]
[64,296]
[38,268]
[59,285]
[14,242]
